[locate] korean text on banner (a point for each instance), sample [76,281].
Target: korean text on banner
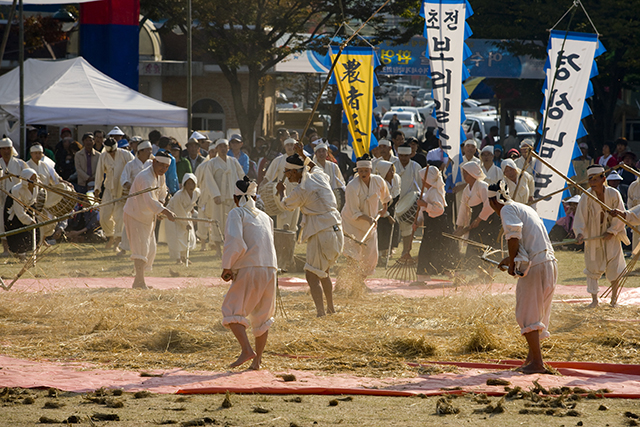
[446,30]
[355,77]
[569,68]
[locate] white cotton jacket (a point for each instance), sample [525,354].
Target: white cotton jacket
[473,197]
[109,170]
[145,207]
[46,173]
[26,197]
[522,222]
[132,169]
[361,199]
[248,240]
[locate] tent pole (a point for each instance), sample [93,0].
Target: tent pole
[189,60]
[23,145]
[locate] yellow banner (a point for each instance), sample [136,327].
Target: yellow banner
[354,77]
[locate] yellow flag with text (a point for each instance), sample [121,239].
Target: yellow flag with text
[355,77]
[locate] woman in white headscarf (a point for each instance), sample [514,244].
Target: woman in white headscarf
[435,250]
[16,214]
[180,234]
[387,225]
[476,212]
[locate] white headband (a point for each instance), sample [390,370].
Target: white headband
[404,151]
[251,191]
[36,149]
[320,146]
[595,170]
[317,141]
[290,141]
[360,164]
[487,149]
[163,160]
[471,142]
[384,142]
[502,195]
[144,145]
[288,165]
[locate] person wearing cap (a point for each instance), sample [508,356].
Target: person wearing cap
[321,224]
[275,171]
[513,154]
[613,180]
[15,215]
[386,153]
[580,165]
[563,228]
[363,197]
[124,144]
[235,151]
[208,188]
[475,214]
[193,155]
[108,172]
[525,161]
[224,172]
[330,168]
[249,262]
[498,151]
[183,166]
[531,253]
[116,133]
[13,165]
[492,173]
[133,144]
[180,234]
[141,161]
[46,173]
[435,250]
[86,162]
[603,252]
[140,215]
[512,174]
[409,172]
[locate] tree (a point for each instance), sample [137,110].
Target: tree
[518,23]
[257,34]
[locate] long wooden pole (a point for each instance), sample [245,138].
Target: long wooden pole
[63,217]
[572,182]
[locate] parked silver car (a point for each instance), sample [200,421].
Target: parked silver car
[410,123]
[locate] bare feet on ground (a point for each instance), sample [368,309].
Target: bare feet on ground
[139,285]
[244,357]
[593,304]
[255,365]
[533,368]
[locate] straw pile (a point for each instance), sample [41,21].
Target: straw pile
[373,335]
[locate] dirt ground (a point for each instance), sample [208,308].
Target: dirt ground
[29,407]
[372,335]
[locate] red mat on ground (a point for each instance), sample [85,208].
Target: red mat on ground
[434,288]
[621,380]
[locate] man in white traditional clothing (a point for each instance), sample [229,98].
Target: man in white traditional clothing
[111,164]
[409,172]
[180,235]
[220,178]
[140,214]
[386,153]
[208,190]
[602,234]
[388,229]
[17,214]
[527,186]
[321,224]
[531,254]
[633,200]
[288,219]
[522,162]
[249,260]
[330,168]
[12,165]
[46,172]
[141,161]
[492,173]
[360,214]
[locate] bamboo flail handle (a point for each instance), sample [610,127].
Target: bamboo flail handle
[569,180]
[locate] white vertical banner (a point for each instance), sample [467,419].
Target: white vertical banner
[446,30]
[569,68]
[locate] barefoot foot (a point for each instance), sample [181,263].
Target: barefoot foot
[594,304]
[255,365]
[244,357]
[533,368]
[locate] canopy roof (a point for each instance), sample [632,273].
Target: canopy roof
[74,92]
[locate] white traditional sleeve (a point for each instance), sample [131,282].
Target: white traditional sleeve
[511,223]
[464,215]
[234,244]
[580,218]
[351,208]
[385,196]
[99,172]
[617,226]
[487,210]
[435,206]
[295,199]
[633,215]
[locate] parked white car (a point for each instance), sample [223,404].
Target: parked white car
[480,125]
[410,122]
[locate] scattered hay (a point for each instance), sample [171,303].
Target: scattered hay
[572,413]
[142,394]
[482,399]
[287,377]
[296,399]
[333,402]
[481,340]
[412,347]
[105,417]
[53,405]
[603,408]
[261,410]
[444,407]
[345,399]
[150,375]
[28,401]
[498,408]
[47,420]
[117,392]
[52,392]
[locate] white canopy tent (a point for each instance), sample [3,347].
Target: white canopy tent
[72,91]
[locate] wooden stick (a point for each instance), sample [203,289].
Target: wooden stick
[629,169]
[373,225]
[182,218]
[28,208]
[69,215]
[593,197]
[75,196]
